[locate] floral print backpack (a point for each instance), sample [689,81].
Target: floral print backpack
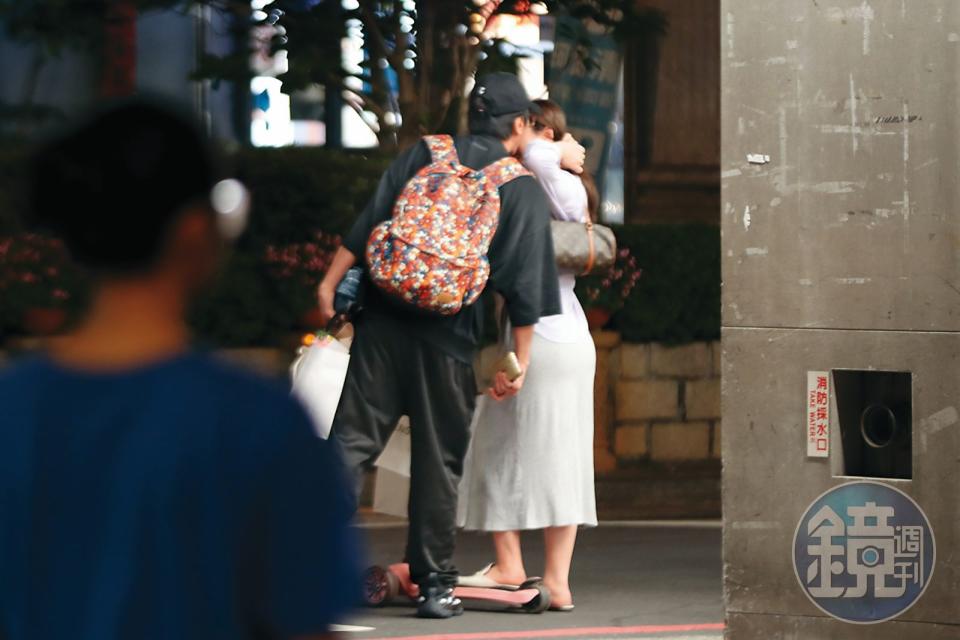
[433,253]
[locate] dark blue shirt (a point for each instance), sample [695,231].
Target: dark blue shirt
[181,500]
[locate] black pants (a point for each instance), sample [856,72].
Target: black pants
[392,374]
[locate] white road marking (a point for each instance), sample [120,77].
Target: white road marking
[349,628]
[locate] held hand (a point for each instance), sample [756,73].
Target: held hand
[572,154]
[502,387]
[325,295]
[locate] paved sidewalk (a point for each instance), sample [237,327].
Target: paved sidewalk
[630,580]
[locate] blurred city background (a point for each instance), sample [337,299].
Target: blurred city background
[312,98]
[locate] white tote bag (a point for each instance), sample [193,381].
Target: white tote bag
[391,487]
[318,375]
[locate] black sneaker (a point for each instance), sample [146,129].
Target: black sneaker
[438,602]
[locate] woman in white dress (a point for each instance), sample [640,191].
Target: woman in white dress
[530,465]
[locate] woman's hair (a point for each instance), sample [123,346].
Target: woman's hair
[593,194]
[551,116]
[112,187]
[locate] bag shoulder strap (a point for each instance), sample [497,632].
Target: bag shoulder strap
[591,240]
[442,150]
[505,170]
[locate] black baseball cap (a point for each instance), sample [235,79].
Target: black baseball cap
[500,94]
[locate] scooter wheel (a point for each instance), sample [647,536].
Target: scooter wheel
[380,586]
[540,602]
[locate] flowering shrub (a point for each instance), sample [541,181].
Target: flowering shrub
[304,263]
[676,301]
[298,268]
[36,271]
[609,290]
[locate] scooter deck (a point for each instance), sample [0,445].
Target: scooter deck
[384,584]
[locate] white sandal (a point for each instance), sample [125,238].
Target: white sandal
[480,580]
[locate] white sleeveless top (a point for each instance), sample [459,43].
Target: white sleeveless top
[568,201]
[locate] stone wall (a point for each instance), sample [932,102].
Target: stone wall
[656,403]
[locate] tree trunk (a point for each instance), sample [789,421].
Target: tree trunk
[410,111]
[430,97]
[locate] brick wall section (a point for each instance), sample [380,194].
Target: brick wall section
[604,396]
[665,401]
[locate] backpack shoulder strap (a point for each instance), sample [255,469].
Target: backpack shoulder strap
[442,150]
[505,170]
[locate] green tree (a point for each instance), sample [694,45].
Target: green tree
[431,47]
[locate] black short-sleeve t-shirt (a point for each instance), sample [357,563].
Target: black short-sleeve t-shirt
[522,266]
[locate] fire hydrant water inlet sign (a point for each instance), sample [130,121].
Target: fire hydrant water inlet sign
[818,414]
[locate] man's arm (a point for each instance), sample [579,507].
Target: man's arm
[522,263]
[523,270]
[342,262]
[378,210]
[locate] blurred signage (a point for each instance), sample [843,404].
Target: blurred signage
[584,79]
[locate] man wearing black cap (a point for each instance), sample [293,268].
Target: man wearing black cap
[409,363]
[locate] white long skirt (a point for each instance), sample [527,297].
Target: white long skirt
[530,463]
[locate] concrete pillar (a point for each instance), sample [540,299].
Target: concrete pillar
[841,211]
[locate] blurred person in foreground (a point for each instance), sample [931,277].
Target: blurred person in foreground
[147,491]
